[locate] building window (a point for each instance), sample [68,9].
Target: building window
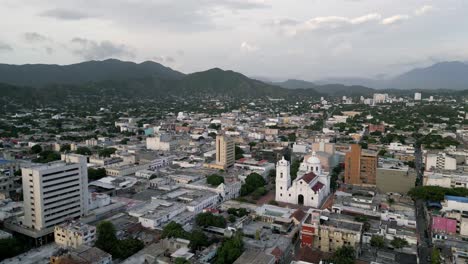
[289,195]
[281,194]
[281,175]
[281,188]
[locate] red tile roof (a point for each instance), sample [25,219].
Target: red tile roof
[308,177]
[277,253]
[317,186]
[298,215]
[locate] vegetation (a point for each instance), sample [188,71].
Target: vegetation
[377,242]
[83,151]
[181,261]
[343,255]
[10,247]
[119,249]
[295,168]
[214,180]
[174,229]
[96,174]
[198,240]
[253,183]
[230,250]
[106,152]
[334,176]
[47,156]
[239,153]
[209,219]
[436,193]
[239,212]
[399,243]
[36,149]
[435,256]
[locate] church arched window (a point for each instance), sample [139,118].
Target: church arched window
[281,175]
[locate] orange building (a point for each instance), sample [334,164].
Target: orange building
[360,166]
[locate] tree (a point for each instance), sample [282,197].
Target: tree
[295,168]
[83,151]
[252,183]
[198,239]
[230,250]
[399,243]
[292,137]
[232,218]
[239,153]
[209,219]
[377,242]
[435,256]
[214,180]
[65,147]
[127,247]
[106,238]
[343,255]
[10,247]
[174,229]
[47,156]
[36,149]
[181,261]
[106,152]
[124,141]
[96,174]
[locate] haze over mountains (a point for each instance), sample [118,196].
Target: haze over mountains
[151,79]
[444,75]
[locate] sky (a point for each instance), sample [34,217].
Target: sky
[277,39]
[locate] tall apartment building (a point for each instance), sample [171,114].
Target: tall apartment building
[225,151]
[360,166]
[55,192]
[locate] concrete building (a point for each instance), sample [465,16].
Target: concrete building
[380,98]
[394,177]
[417,96]
[225,153]
[360,166]
[446,179]
[82,255]
[162,142]
[328,232]
[55,192]
[440,161]
[74,234]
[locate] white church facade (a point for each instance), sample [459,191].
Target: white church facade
[310,188]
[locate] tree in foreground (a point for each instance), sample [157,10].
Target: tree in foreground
[399,243]
[198,240]
[106,238]
[209,219]
[435,256]
[214,180]
[174,229]
[344,255]
[230,250]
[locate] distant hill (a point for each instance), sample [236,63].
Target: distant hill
[295,84]
[444,75]
[38,75]
[328,89]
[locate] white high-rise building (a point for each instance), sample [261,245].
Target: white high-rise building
[55,192]
[417,96]
[380,98]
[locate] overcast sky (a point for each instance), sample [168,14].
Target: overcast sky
[307,39]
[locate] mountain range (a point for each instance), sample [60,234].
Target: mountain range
[152,80]
[444,75]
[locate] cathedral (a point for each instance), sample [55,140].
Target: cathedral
[311,186]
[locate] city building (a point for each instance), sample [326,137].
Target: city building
[225,153]
[440,161]
[82,255]
[417,96]
[311,186]
[55,192]
[360,166]
[394,177]
[74,234]
[161,142]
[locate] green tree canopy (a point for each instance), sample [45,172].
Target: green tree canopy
[214,180]
[377,242]
[83,151]
[209,219]
[399,243]
[230,250]
[36,149]
[344,255]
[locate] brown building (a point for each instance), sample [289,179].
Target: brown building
[360,166]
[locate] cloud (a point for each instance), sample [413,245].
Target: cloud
[5,47]
[247,47]
[93,50]
[164,59]
[34,37]
[293,27]
[423,10]
[395,19]
[64,14]
[49,50]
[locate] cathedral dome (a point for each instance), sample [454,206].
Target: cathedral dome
[313,160]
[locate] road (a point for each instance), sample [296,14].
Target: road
[424,247]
